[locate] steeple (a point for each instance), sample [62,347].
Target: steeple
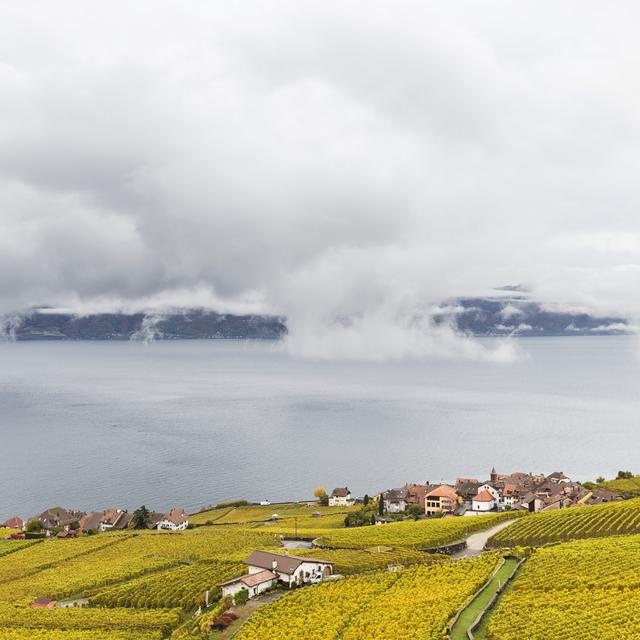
[494,475]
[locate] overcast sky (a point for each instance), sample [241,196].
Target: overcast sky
[318,159]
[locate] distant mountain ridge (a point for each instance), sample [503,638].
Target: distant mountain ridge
[191,324]
[491,316]
[518,315]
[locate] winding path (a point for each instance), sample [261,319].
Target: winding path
[477,541]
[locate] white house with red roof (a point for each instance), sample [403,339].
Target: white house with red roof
[341,497]
[174,520]
[484,501]
[254,583]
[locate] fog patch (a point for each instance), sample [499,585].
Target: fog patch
[380,337]
[149,330]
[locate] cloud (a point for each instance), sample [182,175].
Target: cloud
[325,161]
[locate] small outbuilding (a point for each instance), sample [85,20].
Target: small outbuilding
[43,603]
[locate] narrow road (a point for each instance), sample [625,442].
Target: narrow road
[476,541]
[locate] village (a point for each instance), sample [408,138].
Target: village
[267,570]
[516,491]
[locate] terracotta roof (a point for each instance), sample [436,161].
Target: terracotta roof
[176,515]
[123,521]
[154,518]
[484,496]
[91,520]
[443,491]
[58,517]
[340,492]
[13,523]
[285,563]
[111,516]
[252,579]
[510,489]
[43,603]
[55,512]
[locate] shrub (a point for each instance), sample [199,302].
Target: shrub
[231,503]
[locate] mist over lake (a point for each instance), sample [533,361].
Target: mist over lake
[95,424]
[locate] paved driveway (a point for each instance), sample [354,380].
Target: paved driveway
[476,541]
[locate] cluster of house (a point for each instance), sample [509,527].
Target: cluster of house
[69,524]
[266,569]
[517,491]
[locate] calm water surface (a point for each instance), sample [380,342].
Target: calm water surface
[95,424]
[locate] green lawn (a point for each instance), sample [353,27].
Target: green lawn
[472,611]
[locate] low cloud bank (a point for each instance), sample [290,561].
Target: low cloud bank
[345,166]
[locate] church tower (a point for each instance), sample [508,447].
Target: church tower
[494,476]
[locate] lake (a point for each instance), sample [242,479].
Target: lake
[90,425]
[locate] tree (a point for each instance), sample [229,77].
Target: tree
[365,500]
[321,494]
[624,475]
[241,597]
[415,511]
[361,518]
[381,505]
[599,480]
[34,525]
[141,518]
[226,602]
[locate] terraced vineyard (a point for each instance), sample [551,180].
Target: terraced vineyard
[257,513]
[414,535]
[177,587]
[62,568]
[4,532]
[9,546]
[146,579]
[409,604]
[350,562]
[626,486]
[78,624]
[35,633]
[570,524]
[582,590]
